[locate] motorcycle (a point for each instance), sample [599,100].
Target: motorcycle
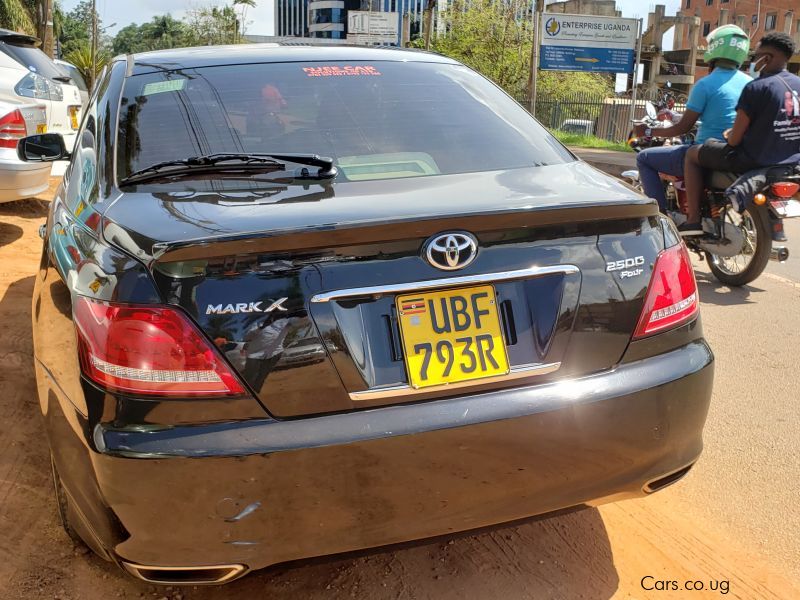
[736,245]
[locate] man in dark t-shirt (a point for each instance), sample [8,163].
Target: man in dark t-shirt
[766,130]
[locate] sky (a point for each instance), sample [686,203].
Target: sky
[124,12]
[260,19]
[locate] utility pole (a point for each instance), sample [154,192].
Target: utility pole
[635,88]
[429,23]
[94,44]
[45,27]
[537,17]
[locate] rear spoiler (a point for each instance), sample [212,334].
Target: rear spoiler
[19,39]
[345,234]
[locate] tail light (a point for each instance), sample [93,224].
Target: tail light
[150,350]
[671,298]
[36,86]
[785,189]
[12,129]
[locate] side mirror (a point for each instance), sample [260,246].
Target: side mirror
[46,147]
[650,109]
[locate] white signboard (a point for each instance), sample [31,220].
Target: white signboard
[367,39]
[373,23]
[588,43]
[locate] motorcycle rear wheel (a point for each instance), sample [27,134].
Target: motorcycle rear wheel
[745,267]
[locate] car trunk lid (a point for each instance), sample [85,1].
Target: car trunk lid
[299,288]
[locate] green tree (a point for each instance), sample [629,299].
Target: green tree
[243,15]
[490,37]
[74,29]
[81,57]
[17,15]
[211,25]
[161,32]
[495,38]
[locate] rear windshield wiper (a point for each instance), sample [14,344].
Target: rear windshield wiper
[63,78]
[257,162]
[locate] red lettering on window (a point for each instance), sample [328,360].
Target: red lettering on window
[345,71]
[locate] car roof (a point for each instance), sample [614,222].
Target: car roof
[206,56]
[19,39]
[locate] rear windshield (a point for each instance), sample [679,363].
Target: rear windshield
[75,75]
[32,59]
[378,120]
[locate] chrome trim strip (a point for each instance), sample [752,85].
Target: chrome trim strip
[405,390]
[428,284]
[233,571]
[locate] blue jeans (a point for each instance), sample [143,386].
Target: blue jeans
[663,159]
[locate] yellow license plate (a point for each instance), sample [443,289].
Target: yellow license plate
[41,128]
[451,336]
[74,112]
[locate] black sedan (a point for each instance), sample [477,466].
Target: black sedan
[298,301]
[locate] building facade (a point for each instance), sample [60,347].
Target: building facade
[291,18]
[327,19]
[600,8]
[756,17]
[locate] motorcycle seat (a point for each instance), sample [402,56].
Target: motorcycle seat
[720,180]
[781,172]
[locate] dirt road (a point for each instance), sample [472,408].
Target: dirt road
[706,529]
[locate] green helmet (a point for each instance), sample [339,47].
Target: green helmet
[728,42]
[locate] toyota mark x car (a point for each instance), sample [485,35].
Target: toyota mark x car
[482,328]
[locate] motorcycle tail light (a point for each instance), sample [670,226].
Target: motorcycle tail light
[785,189]
[149,350]
[12,129]
[671,298]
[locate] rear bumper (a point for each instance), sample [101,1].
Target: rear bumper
[263,492]
[19,180]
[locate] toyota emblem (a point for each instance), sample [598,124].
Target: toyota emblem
[451,251]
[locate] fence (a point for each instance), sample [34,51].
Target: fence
[606,117]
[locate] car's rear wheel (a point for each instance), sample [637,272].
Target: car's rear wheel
[751,262]
[62,503]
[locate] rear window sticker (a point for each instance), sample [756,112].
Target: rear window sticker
[159,87]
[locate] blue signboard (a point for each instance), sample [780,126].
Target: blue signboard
[566,58]
[587,43]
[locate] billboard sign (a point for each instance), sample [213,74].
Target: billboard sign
[587,43]
[366,27]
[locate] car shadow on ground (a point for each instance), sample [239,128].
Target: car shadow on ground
[9,233]
[714,292]
[26,209]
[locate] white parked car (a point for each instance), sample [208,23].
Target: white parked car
[20,117]
[27,72]
[579,126]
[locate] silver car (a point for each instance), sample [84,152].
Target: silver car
[20,117]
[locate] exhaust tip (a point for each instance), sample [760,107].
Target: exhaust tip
[209,575]
[779,253]
[662,482]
